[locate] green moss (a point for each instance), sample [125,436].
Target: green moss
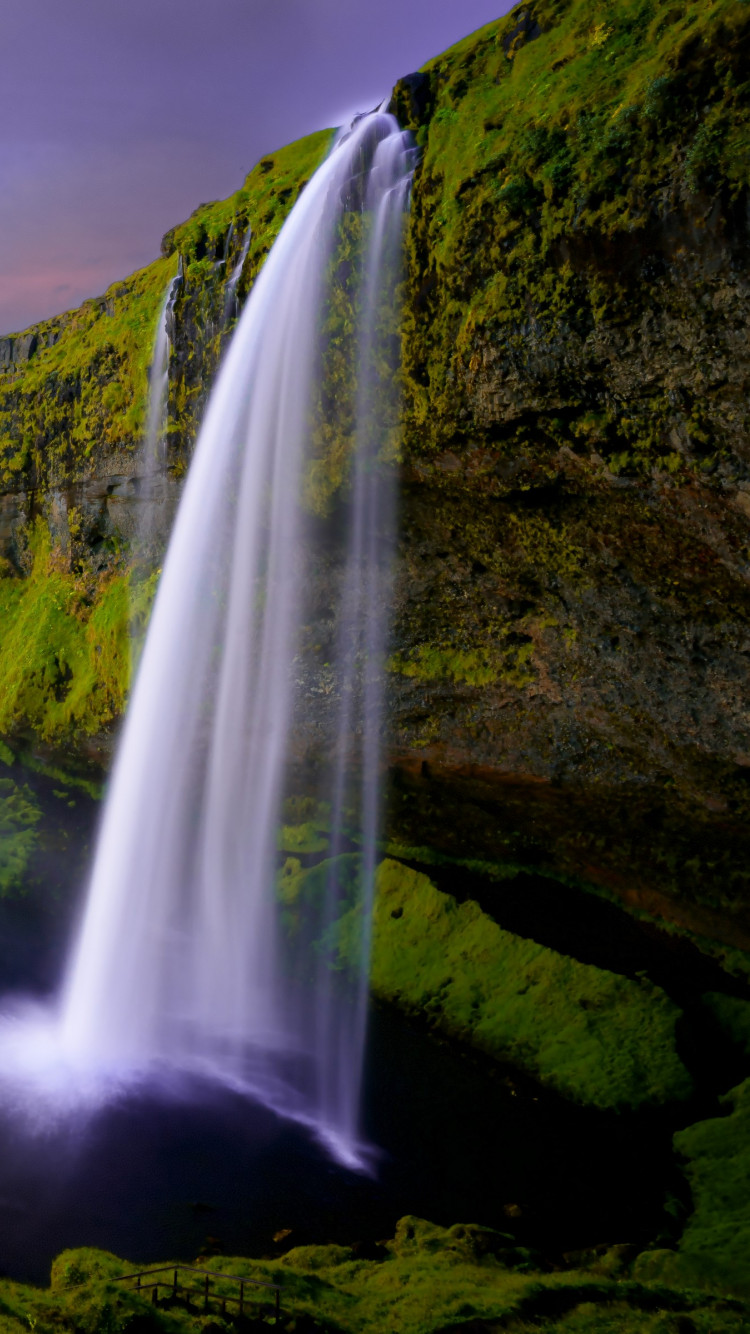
[431,1279]
[304,838]
[714,1247]
[19,817]
[306,826]
[474,667]
[506,870]
[86,386]
[544,155]
[65,657]
[596,1037]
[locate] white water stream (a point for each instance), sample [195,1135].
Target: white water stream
[182,961]
[230,291]
[153,450]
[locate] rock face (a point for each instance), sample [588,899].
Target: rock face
[570,670]
[571,655]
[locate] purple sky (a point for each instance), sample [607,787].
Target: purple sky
[121,116]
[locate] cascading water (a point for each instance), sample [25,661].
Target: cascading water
[183,957]
[230,291]
[153,444]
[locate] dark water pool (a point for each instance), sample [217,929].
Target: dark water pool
[459,1139]
[155,1178]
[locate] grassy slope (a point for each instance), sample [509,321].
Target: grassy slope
[430,1279]
[89,390]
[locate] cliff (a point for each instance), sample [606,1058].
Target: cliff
[570,660]
[569,671]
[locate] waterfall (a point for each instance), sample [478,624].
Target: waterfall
[151,458]
[225,252]
[184,959]
[230,291]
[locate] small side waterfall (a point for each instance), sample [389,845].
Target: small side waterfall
[151,457]
[230,291]
[220,263]
[183,959]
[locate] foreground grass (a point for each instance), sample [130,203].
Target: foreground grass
[430,1279]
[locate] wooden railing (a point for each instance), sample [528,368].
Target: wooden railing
[173,1289]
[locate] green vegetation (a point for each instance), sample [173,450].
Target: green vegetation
[306,826]
[551,138]
[596,1037]
[713,1249]
[19,817]
[430,1279]
[475,667]
[262,204]
[64,656]
[84,389]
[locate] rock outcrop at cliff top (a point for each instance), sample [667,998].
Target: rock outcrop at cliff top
[570,669]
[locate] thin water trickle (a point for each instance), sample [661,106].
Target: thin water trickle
[230,291]
[184,960]
[152,451]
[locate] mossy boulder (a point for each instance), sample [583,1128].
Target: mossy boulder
[713,1250]
[596,1037]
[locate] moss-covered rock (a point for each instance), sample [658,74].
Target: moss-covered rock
[598,1038]
[713,1249]
[19,817]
